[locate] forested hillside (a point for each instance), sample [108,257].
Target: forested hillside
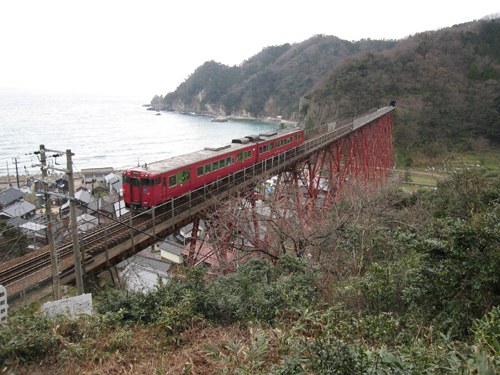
[446,84]
[270,83]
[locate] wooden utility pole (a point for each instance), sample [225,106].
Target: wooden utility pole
[14,160]
[74,229]
[56,283]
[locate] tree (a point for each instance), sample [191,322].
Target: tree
[13,243]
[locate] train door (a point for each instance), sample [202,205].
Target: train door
[135,190]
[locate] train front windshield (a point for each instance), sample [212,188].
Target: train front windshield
[147,181]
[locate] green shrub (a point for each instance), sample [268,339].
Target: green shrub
[27,336]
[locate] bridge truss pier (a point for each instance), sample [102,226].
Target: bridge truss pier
[364,156]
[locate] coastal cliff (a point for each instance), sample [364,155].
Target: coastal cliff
[269,84]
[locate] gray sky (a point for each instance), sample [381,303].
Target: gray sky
[150,47]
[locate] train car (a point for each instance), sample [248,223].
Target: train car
[163,180]
[274,143]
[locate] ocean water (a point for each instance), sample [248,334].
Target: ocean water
[102,131]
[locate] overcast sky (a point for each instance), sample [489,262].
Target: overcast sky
[150,47]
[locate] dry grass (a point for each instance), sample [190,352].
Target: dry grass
[151,352]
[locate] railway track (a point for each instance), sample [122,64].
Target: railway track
[93,242]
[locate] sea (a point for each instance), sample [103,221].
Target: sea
[102,131]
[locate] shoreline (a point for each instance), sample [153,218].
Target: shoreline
[272,120]
[255,119]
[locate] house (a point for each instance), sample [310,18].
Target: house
[23,210]
[10,196]
[82,196]
[171,251]
[96,175]
[22,215]
[81,186]
[99,187]
[114,182]
[39,185]
[37,234]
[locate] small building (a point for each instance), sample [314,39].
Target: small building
[114,182]
[84,197]
[39,185]
[141,273]
[24,210]
[10,196]
[96,175]
[99,187]
[171,252]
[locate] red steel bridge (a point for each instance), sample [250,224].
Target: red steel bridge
[351,149]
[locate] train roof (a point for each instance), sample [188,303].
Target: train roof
[211,152]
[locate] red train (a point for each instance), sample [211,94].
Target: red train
[163,180]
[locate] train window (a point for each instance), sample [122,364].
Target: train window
[230,161]
[147,181]
[222,163]
[271,146]
[208,168]
[297,137]
[248,154]
[158,180]
[136,182]
[183,176]
[164,182]
[264,148]
[199,171]
[215,165]
[240,156]
[260,150]
[172,180]
[126,179]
